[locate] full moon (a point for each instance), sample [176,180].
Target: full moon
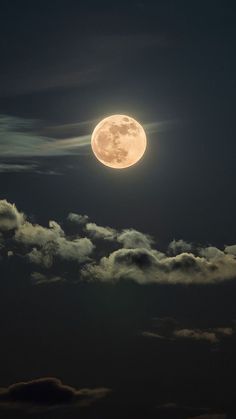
[119,141]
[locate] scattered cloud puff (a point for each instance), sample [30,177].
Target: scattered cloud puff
[108,255]
[47,393]
[99,232]
[170,329]
[77,218]
[197,334]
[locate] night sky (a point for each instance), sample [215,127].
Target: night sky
[117,287]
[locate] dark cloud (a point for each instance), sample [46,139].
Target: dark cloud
[47,393]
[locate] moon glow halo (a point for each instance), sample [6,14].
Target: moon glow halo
[118,141]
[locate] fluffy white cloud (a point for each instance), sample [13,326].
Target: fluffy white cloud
[99,232]
[77,250]
[120,255]
[30,234]
[211,253]
[10,217]
[231,249]
[133,239]
[77,218]
[147,266]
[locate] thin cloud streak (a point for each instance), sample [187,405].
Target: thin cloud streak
[19,139]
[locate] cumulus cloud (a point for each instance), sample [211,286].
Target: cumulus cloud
[77,250]
[10,217]
[231,249]
[48,244]
[118,255]
[133,239]
[77,218]
[178,246]
[211,253]
[47,393]
[29,234]
[148,266]
[42,246]
[99,232]
[170,329]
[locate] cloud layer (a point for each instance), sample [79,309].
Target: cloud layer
[98,253]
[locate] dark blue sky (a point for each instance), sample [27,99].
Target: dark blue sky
[64,66]
[158,61]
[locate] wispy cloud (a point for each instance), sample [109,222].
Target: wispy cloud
[27,139]
[17,168]
[20,139]
[169,329]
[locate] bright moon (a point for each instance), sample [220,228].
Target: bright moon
[118,141]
